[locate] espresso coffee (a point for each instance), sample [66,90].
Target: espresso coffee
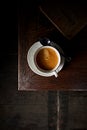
[47,59]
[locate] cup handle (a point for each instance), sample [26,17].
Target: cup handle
[55,74]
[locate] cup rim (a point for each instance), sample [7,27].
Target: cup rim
[55,68]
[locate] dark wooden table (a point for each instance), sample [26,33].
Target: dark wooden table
[69,17]
[73,76]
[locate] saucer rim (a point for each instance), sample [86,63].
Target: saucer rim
[30,60]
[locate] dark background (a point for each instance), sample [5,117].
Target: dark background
[24,110]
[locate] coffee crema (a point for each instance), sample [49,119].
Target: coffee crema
[47,59]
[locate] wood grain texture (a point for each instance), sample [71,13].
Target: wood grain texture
[72,114]
[74,74]
[68,17]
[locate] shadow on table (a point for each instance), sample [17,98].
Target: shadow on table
[73,46]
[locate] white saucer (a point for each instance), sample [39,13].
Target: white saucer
[30,60]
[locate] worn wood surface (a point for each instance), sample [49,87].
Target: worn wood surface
[72,112]
[69,17]
[74,74]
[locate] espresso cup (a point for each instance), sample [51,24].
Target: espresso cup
[47,59]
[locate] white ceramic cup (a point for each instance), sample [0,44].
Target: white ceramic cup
[53,71]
